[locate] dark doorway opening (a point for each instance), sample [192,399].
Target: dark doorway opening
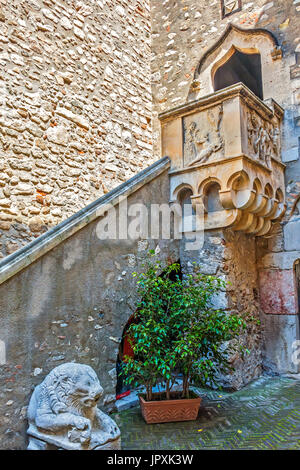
[297,272]
[245,68]
[125,349]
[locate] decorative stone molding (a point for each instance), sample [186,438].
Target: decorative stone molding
[225,148]
[63,412]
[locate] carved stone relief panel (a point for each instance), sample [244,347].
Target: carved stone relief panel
[231,159]
[203,141]
[263,138]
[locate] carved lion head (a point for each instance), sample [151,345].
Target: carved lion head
[73,385]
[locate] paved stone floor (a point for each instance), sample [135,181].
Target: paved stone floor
[264,415]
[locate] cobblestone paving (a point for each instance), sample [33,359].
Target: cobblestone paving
[264,415]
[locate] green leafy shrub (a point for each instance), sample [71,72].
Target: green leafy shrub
[177,329]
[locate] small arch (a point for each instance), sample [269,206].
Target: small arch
[269,191]
[125,350]
[231,28]
[279,195]
[257,186]
[297,282]
[126,346]
[212,202]
[250,49]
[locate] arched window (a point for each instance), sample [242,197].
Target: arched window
[250,56]
[126,347]
[240,67]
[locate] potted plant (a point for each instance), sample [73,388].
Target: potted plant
[177,332]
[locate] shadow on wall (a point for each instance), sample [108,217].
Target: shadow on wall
[240,67]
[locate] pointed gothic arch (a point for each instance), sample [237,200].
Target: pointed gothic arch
[238,53]
[239,67]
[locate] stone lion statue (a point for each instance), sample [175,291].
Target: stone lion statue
[63,412]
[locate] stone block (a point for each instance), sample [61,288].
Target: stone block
[284,260]
[278,294]
[290,155]
[292,236]
[280,333]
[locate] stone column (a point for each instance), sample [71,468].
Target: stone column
[279,302]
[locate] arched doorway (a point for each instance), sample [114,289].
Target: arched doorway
[297,273]
[126,349]
[240,67]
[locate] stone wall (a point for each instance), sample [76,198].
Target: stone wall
[181,36]
[71,305]
[75,107]
[232,257]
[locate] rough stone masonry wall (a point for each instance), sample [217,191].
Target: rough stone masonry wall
[75,107]
[232,257]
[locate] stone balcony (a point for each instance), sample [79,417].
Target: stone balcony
[225,151]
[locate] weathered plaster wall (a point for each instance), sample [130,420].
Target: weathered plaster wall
[75,107]
[70,305]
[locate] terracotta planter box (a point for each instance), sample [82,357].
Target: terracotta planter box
[167,411]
